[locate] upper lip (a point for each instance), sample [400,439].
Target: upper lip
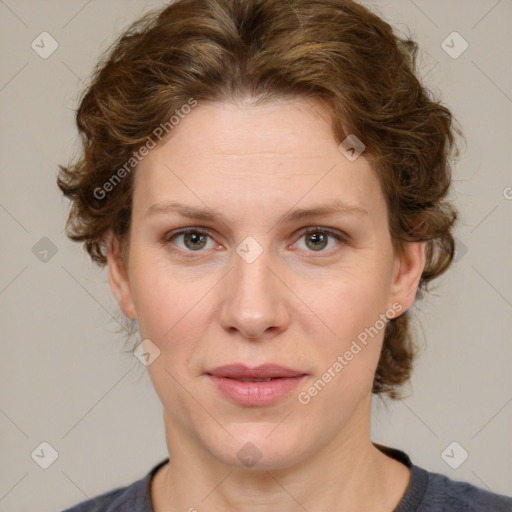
[265,371]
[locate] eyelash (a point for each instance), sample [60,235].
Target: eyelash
[341,238]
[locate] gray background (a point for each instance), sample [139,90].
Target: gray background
[64,379]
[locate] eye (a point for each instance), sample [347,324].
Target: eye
[317,239]
[193,240]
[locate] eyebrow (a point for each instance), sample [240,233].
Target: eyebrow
[336,208]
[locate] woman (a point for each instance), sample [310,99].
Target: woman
[266,181]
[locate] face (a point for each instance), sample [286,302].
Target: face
[228,265]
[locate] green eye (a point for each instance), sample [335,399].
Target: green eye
[196,240]
[193,240]
[318,239]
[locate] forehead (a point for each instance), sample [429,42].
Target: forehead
[241,129]
[244,128]
[273,153]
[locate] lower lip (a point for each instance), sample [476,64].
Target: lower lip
[256,393]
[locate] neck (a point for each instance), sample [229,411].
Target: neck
[349,473]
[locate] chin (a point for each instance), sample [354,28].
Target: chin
[259,447]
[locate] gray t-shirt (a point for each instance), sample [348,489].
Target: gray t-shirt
[426,492]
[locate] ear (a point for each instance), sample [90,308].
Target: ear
[118,278]
[407,270]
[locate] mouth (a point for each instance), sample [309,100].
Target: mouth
[255,387]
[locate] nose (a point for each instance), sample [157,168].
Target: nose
[255,299]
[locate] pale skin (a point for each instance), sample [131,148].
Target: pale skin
[299,304]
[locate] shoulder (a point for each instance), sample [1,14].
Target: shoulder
[433,492]
[444,494]
[102,503]
[122,499]
[132,498]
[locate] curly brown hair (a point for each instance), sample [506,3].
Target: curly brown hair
[335,51]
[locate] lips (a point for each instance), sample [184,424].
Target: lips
[263,372]
[255,387]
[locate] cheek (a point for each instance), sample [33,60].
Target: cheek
[353,300]
[348,349]
[175,311]
[169,317]
[164,303]
[172,314]
[348,343]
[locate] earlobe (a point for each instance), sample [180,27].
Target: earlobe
[409,265]
[118,278]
